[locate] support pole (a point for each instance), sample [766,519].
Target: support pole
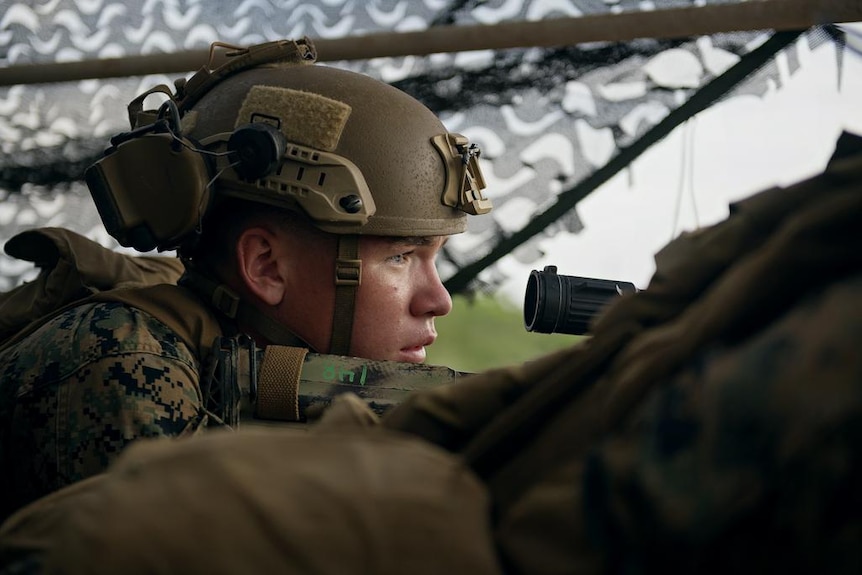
[671,23]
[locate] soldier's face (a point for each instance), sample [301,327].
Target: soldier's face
[399,298]
[396,302]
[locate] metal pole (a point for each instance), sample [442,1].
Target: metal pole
[670,23]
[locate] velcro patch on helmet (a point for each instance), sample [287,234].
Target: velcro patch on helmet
[304,118]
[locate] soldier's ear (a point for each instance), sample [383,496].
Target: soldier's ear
[258,253]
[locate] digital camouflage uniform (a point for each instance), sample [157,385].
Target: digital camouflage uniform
[83,386]
[85,366]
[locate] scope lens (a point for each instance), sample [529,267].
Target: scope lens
[567,304]
[542,301]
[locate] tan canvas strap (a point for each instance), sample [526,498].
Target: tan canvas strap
[177,308]
[278,383]
[348,276]
[73,267]
[229,304]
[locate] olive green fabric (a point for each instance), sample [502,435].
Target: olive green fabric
[178,308]
[95,359]
[28,533]
[75,268]
[72,268]
[267,501]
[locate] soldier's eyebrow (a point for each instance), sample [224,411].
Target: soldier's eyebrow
[417,240]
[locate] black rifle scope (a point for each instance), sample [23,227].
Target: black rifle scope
[567,304]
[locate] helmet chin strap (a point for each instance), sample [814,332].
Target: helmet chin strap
[348,275]
[226,301]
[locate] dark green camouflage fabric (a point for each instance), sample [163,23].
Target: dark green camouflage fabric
[711,424]
[746,461]
[83,386]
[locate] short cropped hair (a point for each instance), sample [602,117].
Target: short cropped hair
[228,219]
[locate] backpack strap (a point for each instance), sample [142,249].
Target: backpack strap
[72,268]
[77,270]
[176,307]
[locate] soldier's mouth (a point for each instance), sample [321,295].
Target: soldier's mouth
[414,354]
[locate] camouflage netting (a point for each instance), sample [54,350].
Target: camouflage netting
[545,118]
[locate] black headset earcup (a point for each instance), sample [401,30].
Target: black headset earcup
[150,192]
[257,149]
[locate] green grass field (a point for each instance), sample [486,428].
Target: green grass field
[483,332]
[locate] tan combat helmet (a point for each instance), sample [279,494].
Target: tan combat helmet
[352,154]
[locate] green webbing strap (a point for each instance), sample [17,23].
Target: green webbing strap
[567,200]
[348,275]
[278,383]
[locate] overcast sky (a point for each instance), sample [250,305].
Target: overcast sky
[731,150]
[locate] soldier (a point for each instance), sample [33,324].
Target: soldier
[307,204]
[711,424]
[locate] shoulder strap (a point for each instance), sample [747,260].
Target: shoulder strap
[176,307]
[75,270]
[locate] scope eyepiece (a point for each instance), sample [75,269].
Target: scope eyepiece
[567,304]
